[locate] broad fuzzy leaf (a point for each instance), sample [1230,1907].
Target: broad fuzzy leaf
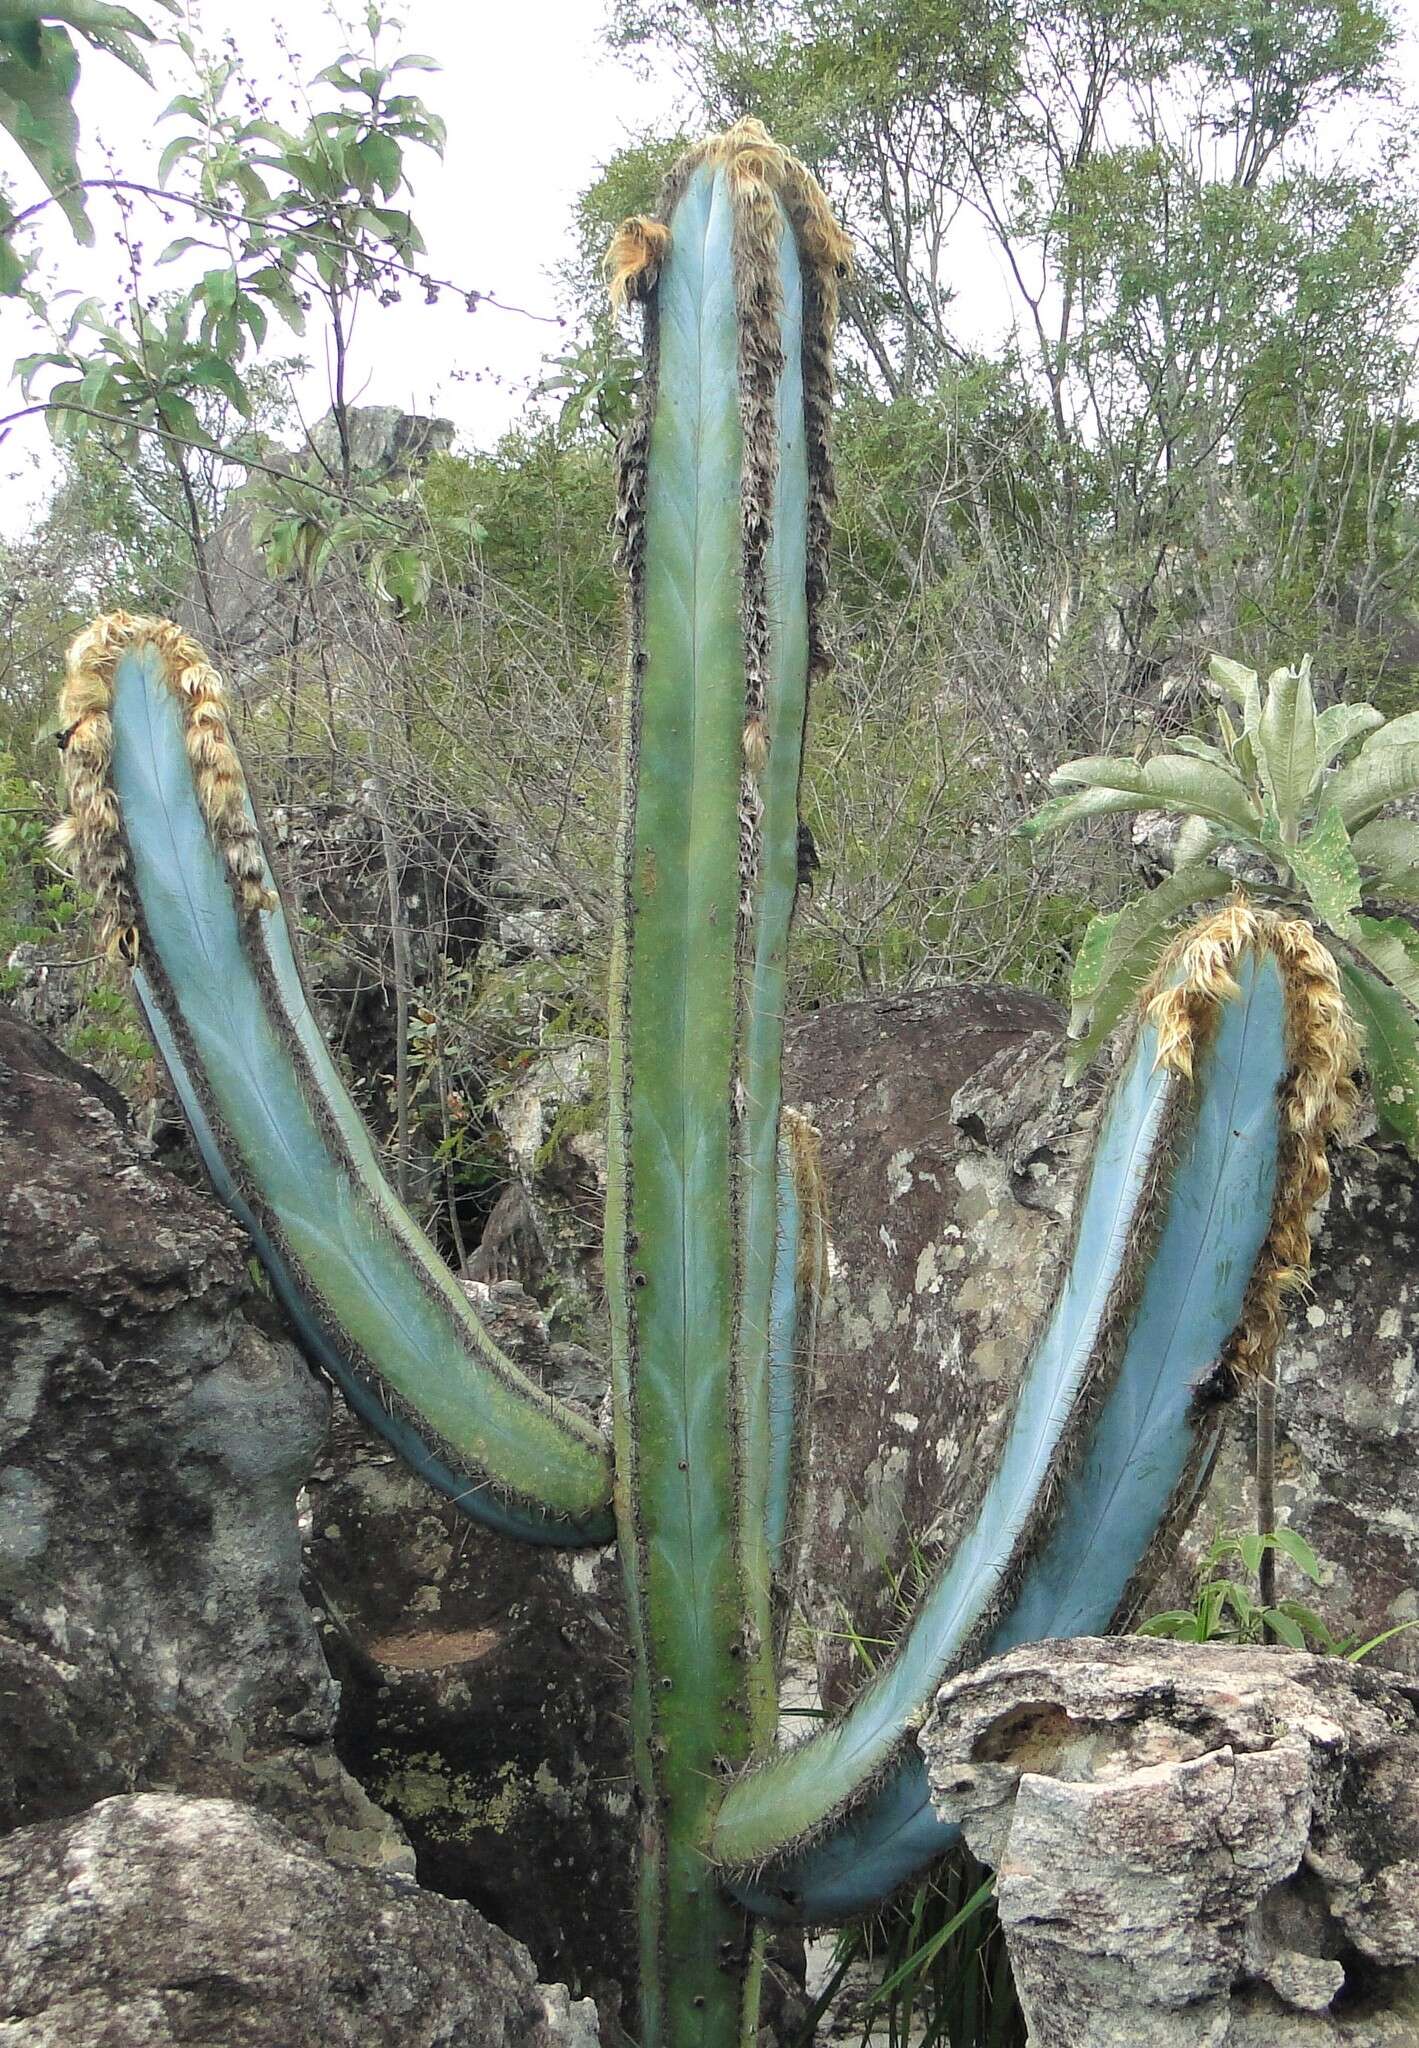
[1287,748]
[1135,938]
[1169,781]
[1392,946]
[1327,869]
[1378,776]
[1341,724]
[1391,1051]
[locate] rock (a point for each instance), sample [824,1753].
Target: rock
[483,1700]
[162,1921]
[950,1175]
[254,616]
[1194,1845]
[154,1437]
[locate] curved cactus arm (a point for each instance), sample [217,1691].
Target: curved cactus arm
[166,836]
[737,284]
[799,1281]
[1209,1159]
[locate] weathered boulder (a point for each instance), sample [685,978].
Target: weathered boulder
[483,1703]
[162,1921]
[950,1172]
[153,1440]
[1196,1847]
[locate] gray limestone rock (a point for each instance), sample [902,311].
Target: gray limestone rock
[1196,1847]
[154,1437]
[166,1922]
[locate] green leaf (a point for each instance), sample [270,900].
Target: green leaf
[1376,777]
[215,374]
[174,152]
[1284,1629]
[36,107]
[1089,961]
[384,161]
[1202,750]
[1389,845]
[1136,938]
[1291,1543]
[1392,946]
[1337,726]
[1170,782]
[1391,1051]
[1238,682]
[179,416]
[1074,809]
[1195,842]
[1288,752]
[1394,732]
[219,289]
[1327,869]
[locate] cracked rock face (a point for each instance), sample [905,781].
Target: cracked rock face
[161,1921]
[153,1441]
[950,1173]
[1196,1847]
[483,1702]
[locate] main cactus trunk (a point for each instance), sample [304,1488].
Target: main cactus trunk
[723,523]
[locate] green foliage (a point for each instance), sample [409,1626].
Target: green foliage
[37,901]
[39,69]
[1224,1610]
[941,1967]
[1282,787]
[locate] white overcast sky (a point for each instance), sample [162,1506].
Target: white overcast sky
[533,107]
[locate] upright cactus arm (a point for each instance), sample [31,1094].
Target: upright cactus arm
[1209,1158]
[723,516]
[166,836]
[800,1278]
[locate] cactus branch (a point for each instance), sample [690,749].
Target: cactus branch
[1193,1224]
[166,836]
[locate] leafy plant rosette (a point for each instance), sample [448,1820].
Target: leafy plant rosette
[1300,793]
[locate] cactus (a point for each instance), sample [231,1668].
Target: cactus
[1210,1148]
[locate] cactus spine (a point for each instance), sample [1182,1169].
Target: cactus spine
[1210,1150]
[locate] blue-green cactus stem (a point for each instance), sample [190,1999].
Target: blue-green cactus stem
[220,985]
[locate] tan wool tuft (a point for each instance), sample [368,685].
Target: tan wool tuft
[92,829]
[1318,1097]
[634,258]
[756,168]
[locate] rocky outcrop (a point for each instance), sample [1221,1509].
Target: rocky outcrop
[483,1703]
[1193,1844]
[254,616]
[950,1173]
[161,1921]
[155,1438]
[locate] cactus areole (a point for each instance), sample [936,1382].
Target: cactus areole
[1209,1151]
